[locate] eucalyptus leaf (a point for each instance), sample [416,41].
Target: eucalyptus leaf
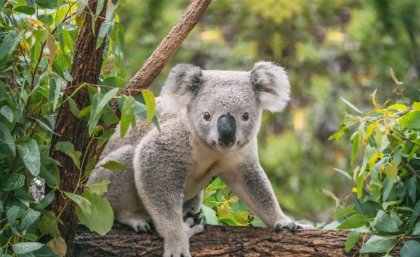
[26,247]
[114,165]
[101,217]
[378,244]
[351,241]
[29,151]
[410,248]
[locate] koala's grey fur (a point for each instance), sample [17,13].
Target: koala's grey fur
[168,170]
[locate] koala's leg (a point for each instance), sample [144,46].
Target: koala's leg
[161,188]
[252,186]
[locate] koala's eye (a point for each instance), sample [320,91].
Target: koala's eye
[206,116]
[245,116]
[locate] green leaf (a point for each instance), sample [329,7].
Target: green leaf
[384,223]
[343,212]
[81,201]
[98,106]
[337,135]
[7,144]
[68,40]
[351,241]
[387,189]
[55,89]
[101,217]
[114,165]
[48,224]
[351,105]
[73,107]
[10,41]
[378,244]
[416,230]
[114,82]
[355,221]
[391,170]
[411,120]
[27,247]
[12,214]
[47,4]
[127,115]
[45,251]
[209,215]
[410,249]
[355,143]
[68,149]
[25,9]
[412,188]
[103,32]
[99,188]
[149,100]
[7,112]
[31,157]
[28,219]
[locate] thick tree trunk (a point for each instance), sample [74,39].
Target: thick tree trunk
[218,241]
[86,68]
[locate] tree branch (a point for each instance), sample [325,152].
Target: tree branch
[155,63]
[220,241]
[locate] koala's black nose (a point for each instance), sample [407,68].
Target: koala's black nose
[226,126]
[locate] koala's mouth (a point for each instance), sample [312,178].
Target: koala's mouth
[225,147]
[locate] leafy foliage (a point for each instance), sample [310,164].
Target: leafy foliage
[222,207]
[385,198]
[37,46]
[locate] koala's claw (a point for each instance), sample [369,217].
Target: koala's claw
[193,219]
[291,226]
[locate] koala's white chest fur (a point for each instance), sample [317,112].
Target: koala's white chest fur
[209,163]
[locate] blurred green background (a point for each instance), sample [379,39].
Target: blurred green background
[331,49]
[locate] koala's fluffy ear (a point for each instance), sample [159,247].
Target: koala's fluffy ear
[271,85]
[182,84]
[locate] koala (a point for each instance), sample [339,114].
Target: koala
[209,125]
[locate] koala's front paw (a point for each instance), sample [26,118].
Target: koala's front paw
[292,226]
[193,219]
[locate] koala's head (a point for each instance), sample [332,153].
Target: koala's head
[223,108]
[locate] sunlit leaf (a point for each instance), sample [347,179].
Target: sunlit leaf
[149,100]
[411,120]
[114,165]
[127,115]
[101,217]
[354,221]
[81,201]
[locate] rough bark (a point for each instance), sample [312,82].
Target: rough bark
[155,63]
[218,241]
[86,68]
